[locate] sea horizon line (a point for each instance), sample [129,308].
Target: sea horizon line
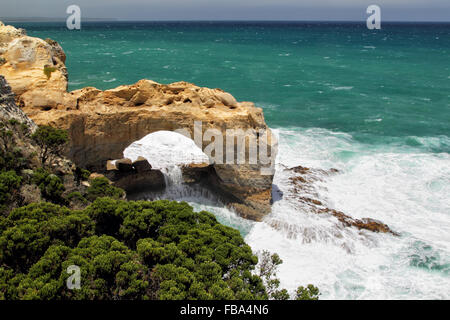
[88,20]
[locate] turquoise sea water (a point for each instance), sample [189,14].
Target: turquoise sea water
[374,104]
[377,85]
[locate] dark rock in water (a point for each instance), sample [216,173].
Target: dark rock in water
[142,165]
[124,165]
[373,225]
[303,184]
[364,223]
[134,182]
[305,170]
[300,169]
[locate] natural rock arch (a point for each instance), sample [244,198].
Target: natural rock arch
[101,124]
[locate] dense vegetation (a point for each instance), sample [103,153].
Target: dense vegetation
[124,249]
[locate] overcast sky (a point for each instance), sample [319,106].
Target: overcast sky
[397,10]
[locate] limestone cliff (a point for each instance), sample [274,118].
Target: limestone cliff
[102,124]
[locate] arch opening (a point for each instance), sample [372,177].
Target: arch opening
[167,151]
[179,158]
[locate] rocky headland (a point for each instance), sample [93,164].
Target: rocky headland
[101,124]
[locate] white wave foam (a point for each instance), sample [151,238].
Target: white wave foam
[405,188]
[342,88]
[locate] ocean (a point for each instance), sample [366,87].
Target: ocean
[374,104]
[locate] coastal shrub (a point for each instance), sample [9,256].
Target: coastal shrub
[48,71]
[309,293]
[109,271]
[13,121]
[101,187]
[6,137]
[51,186]
[27,232]
[268,268]
[24,128]
[150,250]
[13,160]
[9,183]
[76,196]
[85,174]
[81,174]
[50,140]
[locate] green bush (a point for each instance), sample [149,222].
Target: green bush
[50,140]
[51,186]
[76,196]
[109,270]
[13,160]
[6,137]
[9,183]
[268,268]
[85,174]
[24,128]
[29,231]
[48,71]
[100,187]
[13,121]
[309,293]
[125,250]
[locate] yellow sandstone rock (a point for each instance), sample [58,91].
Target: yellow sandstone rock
[101,124]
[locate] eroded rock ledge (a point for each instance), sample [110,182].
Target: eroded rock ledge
[101,124]
[302,183]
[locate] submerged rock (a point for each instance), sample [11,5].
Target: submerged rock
[302,184]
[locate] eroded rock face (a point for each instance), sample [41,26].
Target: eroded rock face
[196,172]
[33,67]
[101,124]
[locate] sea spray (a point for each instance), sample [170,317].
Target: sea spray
[405,187]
